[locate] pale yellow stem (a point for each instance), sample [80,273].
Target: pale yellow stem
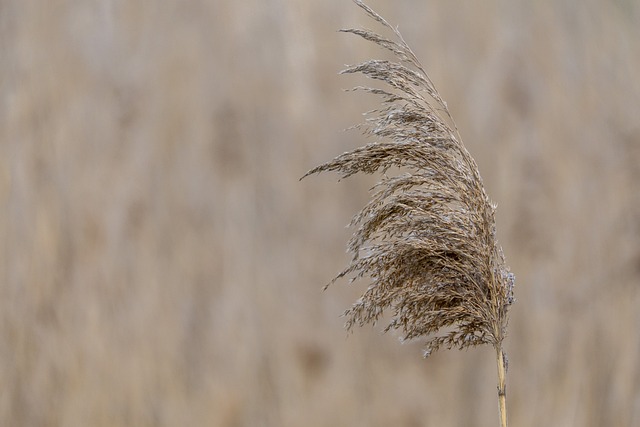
[502,386]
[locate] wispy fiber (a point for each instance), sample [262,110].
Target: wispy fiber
[426,240]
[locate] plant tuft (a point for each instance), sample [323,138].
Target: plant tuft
[426,240]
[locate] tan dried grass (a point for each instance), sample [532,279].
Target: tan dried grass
[427,238]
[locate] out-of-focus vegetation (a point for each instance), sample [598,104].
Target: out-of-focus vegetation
[162,265]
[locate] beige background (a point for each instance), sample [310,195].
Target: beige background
[161,265]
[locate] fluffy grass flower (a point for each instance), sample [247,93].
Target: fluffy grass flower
[426,240]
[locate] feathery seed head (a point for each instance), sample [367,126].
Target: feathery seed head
[426,241]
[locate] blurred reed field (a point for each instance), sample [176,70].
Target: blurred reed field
[162,265]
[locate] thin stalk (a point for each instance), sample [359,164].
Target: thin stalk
[502,386]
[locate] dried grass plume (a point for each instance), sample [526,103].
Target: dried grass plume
[426,240]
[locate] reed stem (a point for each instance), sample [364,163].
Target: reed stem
[502,386]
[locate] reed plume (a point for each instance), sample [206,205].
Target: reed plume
[426,240]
